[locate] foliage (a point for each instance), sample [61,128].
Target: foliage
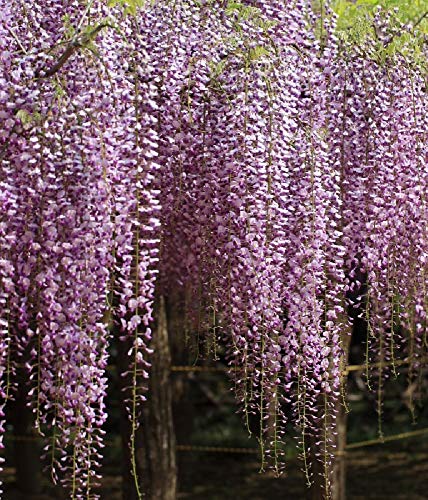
[353,13]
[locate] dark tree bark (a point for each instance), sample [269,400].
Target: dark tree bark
[183,404]
[159,437]
[27,446]
[317,488]
[155,440]
[337,431]
[337,486]
[339,466]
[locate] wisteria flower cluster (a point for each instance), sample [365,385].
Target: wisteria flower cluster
[242,156]
[80,218]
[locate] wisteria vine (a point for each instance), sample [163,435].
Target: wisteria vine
[245,154]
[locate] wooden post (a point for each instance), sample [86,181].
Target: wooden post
[183,405]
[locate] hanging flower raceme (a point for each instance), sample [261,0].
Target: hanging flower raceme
[82,159]
[61,230]
[249,211]
[132,151]
[264,167]
[270,199]
[7,238]
[213,204]
[254,193]
[8,207]
[377,136]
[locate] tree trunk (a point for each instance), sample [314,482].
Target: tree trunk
[158,426]
[155,440]
[338,433]
[183,405]
[27,447]
[337,489]
[339,466]
[317,488]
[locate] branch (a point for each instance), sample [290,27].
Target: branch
[17,40]
[69,51]
[420,19]
[74,45]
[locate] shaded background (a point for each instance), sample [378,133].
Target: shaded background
[205,416]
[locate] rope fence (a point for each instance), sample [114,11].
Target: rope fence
[252,451]
[387,439]
[346,371]
[223,369]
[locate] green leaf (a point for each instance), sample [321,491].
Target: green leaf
[258,52]
[129,6]
[27,119]
[217,68]
[24,116]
